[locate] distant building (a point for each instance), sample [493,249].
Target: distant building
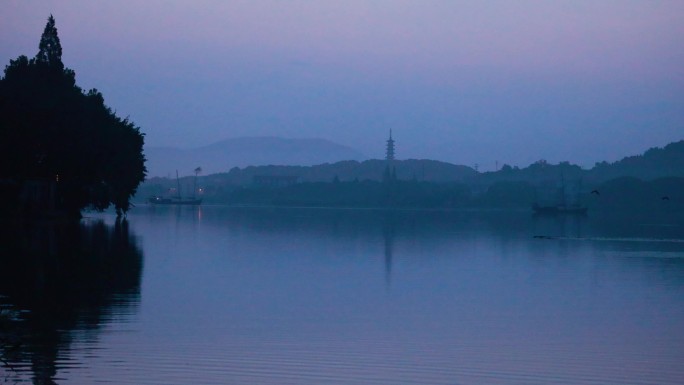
[389,153]
[390,172]
[275,180]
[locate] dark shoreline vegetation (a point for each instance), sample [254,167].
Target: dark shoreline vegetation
[653,181]
[61,148]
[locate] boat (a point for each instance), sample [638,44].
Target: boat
[177,200]
[158,200]
[563,207]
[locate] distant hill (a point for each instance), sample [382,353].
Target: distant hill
[350,170]
[216,184]
[248,151]
[654,163]
[649,183]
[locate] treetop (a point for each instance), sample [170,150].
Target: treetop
[50,49]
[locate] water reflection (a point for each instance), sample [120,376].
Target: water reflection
[562,226]
[388,231]
[316,296]
[57,279]
[311,296]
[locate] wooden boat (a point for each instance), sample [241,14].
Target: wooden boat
[177,200]
[157,200]
[562,207]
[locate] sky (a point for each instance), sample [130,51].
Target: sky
[468,82]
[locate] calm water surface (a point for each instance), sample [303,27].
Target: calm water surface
[218,295]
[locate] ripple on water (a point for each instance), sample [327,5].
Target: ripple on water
[330,360]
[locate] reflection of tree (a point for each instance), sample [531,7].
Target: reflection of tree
[62,277]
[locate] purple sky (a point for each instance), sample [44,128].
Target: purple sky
[464,82]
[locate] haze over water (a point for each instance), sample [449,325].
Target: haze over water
[218,295]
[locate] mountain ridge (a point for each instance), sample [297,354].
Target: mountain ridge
[223,155]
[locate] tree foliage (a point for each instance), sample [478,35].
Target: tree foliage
[50,129]
[50,49]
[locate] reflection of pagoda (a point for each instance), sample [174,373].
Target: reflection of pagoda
[388,230]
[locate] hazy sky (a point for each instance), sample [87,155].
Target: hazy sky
[461,81]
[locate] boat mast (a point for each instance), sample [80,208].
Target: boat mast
[194,187]
[178,184]
[564,202]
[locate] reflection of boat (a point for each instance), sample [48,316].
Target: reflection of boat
[563,207]
[177,200]
[559,209]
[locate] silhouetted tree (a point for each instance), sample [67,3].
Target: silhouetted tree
[53,132]
[50,50]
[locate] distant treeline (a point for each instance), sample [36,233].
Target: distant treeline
[652,181]
[351,170]
[652,164]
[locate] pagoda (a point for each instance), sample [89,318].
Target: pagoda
[390,172]
[389,154]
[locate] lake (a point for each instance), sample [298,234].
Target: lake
[221,295]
